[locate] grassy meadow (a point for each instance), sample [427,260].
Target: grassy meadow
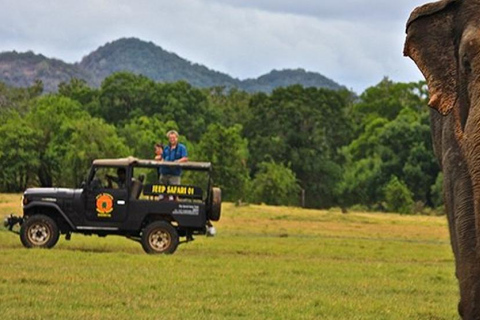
[265,263]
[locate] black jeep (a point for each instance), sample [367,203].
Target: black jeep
[123,197]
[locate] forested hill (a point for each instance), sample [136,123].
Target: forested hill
[285,78]
[22,69]
[146,58]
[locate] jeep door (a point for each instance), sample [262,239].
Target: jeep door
[107,195]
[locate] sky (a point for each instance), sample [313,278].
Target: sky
[353,42]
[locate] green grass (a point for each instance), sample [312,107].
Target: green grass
[264,263]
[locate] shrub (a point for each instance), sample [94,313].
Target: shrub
[397,196]
[274,184]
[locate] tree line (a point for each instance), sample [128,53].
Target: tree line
[335,148]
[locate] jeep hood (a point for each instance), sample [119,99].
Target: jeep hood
[51,192]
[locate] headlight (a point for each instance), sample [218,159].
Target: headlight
[24,200]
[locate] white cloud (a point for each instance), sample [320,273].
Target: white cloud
[354,42]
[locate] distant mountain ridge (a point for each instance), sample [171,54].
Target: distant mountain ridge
[22,69]
[146,58]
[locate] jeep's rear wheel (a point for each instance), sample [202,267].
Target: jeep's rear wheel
[159,237]
[39,231]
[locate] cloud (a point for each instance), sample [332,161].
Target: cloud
[353,10]
[354,42]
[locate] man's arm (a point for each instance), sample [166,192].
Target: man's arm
[183,154]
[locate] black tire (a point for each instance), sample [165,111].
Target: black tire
[160,237]
[215,205]
[39,231]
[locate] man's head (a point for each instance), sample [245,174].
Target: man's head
[121,174]
[172,136]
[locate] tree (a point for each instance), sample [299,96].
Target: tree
[90,139]
[19,158]
[304,127]
[227,151]
[362,182]
[124,95]
[143,132]
[49,117]
[390,143]
[186,105]
[13,98]
[78,90]
[274,184]
[68,140]
[397,196]
[387,99]
[231,107]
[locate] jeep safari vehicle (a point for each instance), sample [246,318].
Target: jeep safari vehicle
[123,197]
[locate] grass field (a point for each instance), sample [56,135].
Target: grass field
[265,263]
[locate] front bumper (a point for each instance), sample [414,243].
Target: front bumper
[11,221]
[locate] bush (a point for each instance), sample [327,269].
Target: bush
[397,196]
[274,184]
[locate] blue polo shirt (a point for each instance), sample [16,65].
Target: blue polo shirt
[169,154]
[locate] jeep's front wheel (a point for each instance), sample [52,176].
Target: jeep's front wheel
[39,231]
[160,237]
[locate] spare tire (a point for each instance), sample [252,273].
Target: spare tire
[215,204]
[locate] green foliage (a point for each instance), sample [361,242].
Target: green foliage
[388,99]
[361,181]
[93,139]
[68,139]
[19,155]
[187,106]
[341,149]
[304,127]
[52,118]
[232,107]
[18,98]
[397,196]
[141,134]
[393,139]
[227,151]
[123,95]
[274,184]
[79,90]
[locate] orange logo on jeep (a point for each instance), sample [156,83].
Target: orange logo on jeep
[104,204]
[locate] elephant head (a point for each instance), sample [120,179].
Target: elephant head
[443,39]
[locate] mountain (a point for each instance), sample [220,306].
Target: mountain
[146,58]
[22,69]
[285,78]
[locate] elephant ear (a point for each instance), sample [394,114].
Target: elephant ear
[430,44]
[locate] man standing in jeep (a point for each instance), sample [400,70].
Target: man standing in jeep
[175,152]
